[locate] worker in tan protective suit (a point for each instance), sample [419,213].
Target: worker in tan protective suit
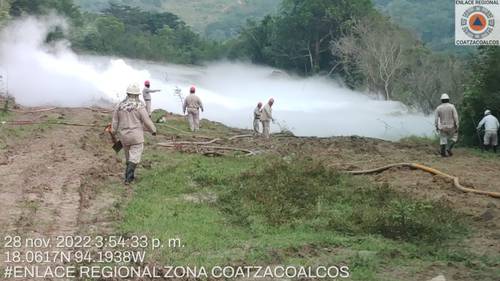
[447,124]
[192,104]
[266,117]
[146,94]
[130,118]
[491,126]
[256,119]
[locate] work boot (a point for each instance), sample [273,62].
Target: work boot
[126,172]
[452,144]
[129,172]
[443,150]
[487,148]
[495,149]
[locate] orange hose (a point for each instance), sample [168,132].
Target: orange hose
[456,181]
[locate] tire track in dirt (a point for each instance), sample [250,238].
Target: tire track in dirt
[51,176]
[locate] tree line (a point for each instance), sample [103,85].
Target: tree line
[122,31]
[350,40]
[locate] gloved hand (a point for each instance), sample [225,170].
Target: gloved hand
[154,134]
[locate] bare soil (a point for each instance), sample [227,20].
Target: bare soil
[50,176]
[475,169]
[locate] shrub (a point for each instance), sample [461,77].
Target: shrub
[303,193]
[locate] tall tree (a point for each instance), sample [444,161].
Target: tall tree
[315,23]
[427,75]
[37,7]
[376,48]
[110,31]
[298,37]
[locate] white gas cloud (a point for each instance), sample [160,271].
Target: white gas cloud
[41,75]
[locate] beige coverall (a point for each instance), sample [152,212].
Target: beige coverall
[130,125]
[447,123]
[491,126]
[266,117]
[256,121]
[193,104]
[146,94]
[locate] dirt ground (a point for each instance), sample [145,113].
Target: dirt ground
[50,177]
[474,169]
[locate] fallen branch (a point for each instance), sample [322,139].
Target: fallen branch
[174,128]
[34,110]
[189,142]
[183,132]
[456,180]
[78,124]
[100,110]
[248,152]
[212,154]
[240,136]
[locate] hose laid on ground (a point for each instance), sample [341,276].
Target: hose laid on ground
[189,142]
[241,136]
[456,181]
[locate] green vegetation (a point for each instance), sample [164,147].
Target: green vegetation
[418,140]
[306,194]
[299,37]
[483,92]
[433,21]
[222,19]
[131,32]
[291,210]
[11,134]
[349,40]
[215,19]
[352,41]
[123,31]
[342,39]
[235,210]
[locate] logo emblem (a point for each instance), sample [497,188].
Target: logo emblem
[478,22]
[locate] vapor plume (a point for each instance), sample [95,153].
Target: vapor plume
[40,75]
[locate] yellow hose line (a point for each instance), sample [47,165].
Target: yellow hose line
[456,181]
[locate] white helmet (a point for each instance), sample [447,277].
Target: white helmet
[445,97]
[487,112]
[133,89]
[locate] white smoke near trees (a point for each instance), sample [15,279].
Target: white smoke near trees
[41,75]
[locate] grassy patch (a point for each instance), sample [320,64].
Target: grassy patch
[292,211]
[178,125]
[11,133]
[419,140]
[482,153]
[305,193]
